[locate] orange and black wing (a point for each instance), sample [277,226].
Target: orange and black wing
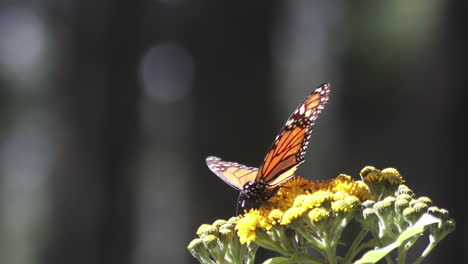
[234,174]
[289,147]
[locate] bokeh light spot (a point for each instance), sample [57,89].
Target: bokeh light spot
[22,41]
[167,71]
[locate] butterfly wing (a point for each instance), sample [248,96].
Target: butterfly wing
[290,145]
[234,174]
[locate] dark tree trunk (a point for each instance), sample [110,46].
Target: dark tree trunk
[92,188]
[233,98]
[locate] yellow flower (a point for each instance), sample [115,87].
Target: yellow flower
[210,241]
[247,225]
[382,183]
[196,245]
[345,205]
[218,223]
[361,190]
[317,198]
[340,195]
[275,216]
[393,175]
[298,197]
[425,200]
[389,175]
[291,214]
[317,214]
[206,229]
[314,214]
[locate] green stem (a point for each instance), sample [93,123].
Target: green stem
[368,244]
[279,234]
[379,243]
[352,250]
[330,253]
[216,254]
[206,260]
[299,228]
[402,254]
[264,241]
[403,249]
[236,249]
[332,236]
[388,259]
[426,252]
[304,258]
[274,247]
[251,254]
[286,238]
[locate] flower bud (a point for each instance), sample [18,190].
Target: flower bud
[226,234]
[368,170]
[382,207]
[404,196]
[412,215]
[232,220]
[206,229]
[426,200]
[275,216]
[368,213]
[228,225]
[345,206]
[438,212]
[291,214]
[370,219]
[198,250]
[392,176]
[420,207]
[400,205]
[403,189]
[210,241]
[317,214]
[390,199]
[368,204]
[381,183]
[196,246]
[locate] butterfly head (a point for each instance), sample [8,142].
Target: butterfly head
[253,194]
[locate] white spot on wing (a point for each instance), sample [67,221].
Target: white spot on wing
[301,110]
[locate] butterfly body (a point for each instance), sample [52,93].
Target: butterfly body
[253,194]
[257,185]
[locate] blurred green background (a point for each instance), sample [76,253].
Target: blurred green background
[109,108]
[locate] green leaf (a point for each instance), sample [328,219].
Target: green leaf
[295,258]
[375,255]
[277,260]
[304,258]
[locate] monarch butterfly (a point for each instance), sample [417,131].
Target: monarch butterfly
[284,156]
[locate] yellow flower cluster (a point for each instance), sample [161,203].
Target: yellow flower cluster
[371,175]
[382,183]
[299,197]
[307,214]
[217,243]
